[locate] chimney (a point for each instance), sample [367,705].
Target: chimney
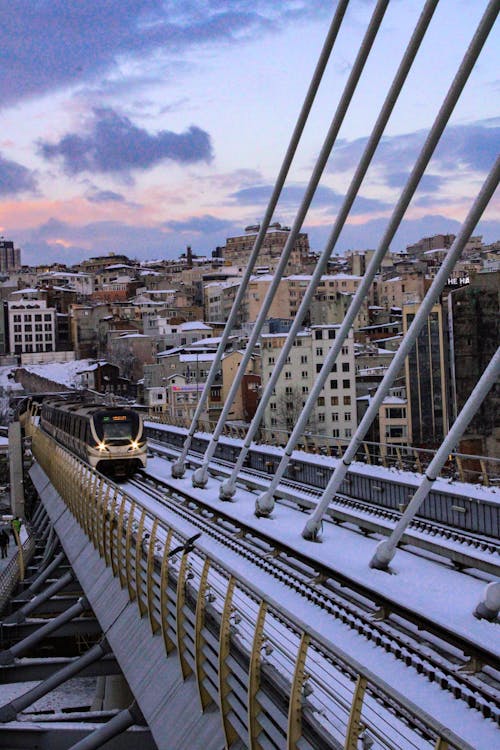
[189,256]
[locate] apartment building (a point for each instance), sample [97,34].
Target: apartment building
[334,415]
[238,249]
[32,326]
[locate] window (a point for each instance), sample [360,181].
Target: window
[347,400]
[288,390]
[274,421]
[48,326]
[335,416]
[348,432]
[345,366]
[272,406]
[334,384]
[347,416]
[396,413]
[319,351]
[270,361]
[305,373]
[321,417]
[345,350]
[288,375]
[318,335]
[38,317]
[321,401]
[303,359]
[334,367]
[305,389]
[47,316]
[336,432]
[346,383]
[334,400]
[318,367]
[331,334]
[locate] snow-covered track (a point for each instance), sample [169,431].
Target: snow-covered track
[431,649]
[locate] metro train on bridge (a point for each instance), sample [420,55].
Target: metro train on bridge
[109,438]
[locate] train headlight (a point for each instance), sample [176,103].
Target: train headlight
[102,447]
[134,445]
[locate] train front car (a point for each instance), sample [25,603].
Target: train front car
[118,446]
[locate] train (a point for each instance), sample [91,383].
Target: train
[109,438]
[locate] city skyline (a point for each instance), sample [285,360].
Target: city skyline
[141,127]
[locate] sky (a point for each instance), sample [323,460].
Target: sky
[144,126]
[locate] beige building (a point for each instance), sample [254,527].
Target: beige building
[334,416]
[238,249]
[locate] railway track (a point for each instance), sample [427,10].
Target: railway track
[469,672]
[464,549]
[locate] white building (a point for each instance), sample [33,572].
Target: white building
[334,415]
[32,326]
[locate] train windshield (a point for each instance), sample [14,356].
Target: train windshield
[119,426]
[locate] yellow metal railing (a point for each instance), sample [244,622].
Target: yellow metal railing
[242,647]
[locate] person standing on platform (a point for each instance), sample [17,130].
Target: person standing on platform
[4,542]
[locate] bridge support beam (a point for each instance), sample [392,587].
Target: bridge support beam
[21,614]
[8,656]
[9,711]
[117,725]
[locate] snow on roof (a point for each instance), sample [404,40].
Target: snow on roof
[394,400]
[194,325]
[28,290]
[209,341]
[133,336]
[65,373]
[201,357]
[117,266]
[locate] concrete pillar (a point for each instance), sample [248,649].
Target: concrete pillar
[117,693]
[112,692]
[16,470]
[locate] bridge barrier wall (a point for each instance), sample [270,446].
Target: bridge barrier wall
[269,678]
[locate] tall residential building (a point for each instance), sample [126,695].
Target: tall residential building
[32,326]
[473,314]
[427,379]
[10,256]
[334,416]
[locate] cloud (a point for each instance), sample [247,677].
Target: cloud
[292,196]
[369,234]
[205,225]
[14,178]
[113,144]
[472,147]
[50,44]
[106,196]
